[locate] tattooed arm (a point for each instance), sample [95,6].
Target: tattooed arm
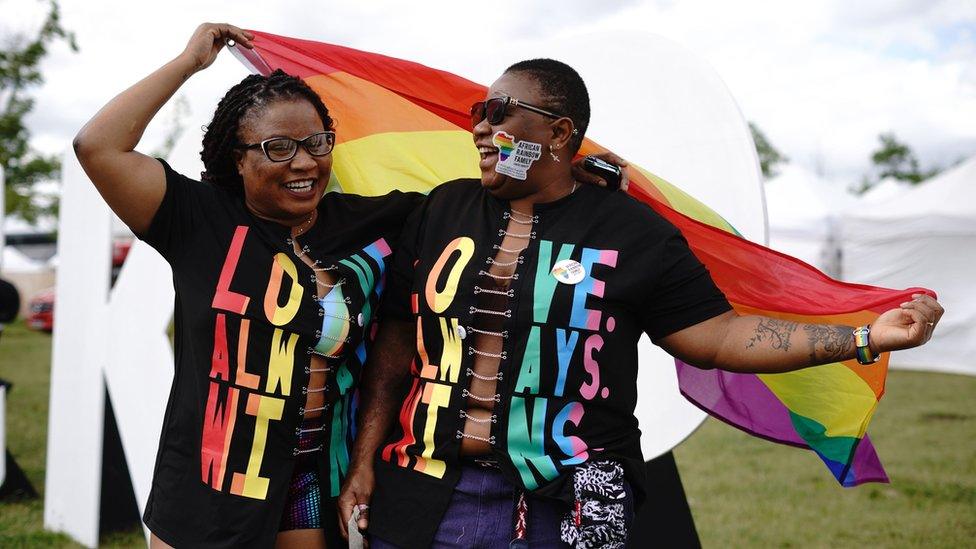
[760,344]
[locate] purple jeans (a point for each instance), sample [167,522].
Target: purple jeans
[482,512]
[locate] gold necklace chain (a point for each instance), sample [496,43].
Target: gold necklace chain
[305,225]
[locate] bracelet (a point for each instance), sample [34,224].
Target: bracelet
[862,345]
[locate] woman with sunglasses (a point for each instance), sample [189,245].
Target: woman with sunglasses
[275,292]
[512,315]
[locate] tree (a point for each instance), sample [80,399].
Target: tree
[20,58]
[895,159]
[769,157]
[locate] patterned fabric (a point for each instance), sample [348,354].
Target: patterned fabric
[597,518]
[304,501]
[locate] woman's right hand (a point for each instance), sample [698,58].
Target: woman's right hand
[356,492]
[209,39]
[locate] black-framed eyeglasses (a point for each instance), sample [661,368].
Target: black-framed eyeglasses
[283,149]
[496,108]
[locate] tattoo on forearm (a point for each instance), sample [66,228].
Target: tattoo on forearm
[774,333]
[829,343]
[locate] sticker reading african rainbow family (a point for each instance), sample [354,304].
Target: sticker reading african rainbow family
[515,158]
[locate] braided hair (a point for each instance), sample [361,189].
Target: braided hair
[563,90]
[247,97]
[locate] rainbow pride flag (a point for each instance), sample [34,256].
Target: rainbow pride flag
[401,125]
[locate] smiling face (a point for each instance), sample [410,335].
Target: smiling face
[523,125]
[283,192]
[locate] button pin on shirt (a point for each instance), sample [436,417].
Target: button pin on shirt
[568,271]
[461,332]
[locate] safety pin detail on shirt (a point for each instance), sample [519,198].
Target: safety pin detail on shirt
[502,355]
[296,451]
[479,289]
[491,261]
[496,377]
[507,313]
[312,351]
[302,409]
[466,393]
[339,282]
[513,276]
[490,440]
[320,335]
[503,334]
[503,232]
[346,300]
[301,430]
[506,250]
[528,221]
[491,419]
[302,253]
[322,312]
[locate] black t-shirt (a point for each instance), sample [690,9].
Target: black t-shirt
[569,385]
[247,322]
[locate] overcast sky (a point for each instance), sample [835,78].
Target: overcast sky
[822,78]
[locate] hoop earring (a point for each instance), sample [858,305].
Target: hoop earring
[551,153]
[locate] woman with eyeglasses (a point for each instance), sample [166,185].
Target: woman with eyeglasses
[276,287]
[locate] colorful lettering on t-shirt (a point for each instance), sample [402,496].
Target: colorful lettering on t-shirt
[539,437]
[255,394]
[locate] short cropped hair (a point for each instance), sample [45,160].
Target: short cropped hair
[563,91]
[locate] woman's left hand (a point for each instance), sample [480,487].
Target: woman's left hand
[908,326]
[209,39]
[584,176]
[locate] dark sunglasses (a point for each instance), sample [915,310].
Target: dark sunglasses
[283,149]
[496,108]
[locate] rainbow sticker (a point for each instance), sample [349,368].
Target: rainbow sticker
[505,144]
[515,158]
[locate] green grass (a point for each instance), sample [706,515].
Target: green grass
[25,360]
[743,492]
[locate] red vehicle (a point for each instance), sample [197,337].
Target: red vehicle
[41,316]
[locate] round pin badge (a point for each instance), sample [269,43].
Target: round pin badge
[461,332]
[359,319]
[568,271]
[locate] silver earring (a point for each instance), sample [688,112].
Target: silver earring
[554,157]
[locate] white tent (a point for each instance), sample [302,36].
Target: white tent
[803,209]
[924,236]
[14,261]
[886,190]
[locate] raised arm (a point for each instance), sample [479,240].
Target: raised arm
[383,379]
[759,344]
[132,183]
